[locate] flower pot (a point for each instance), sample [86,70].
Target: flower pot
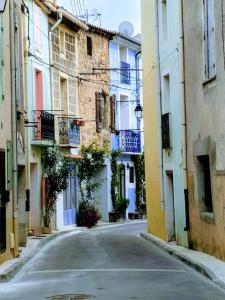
[114,216]
[47,230]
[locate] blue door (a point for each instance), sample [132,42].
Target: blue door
[69,201]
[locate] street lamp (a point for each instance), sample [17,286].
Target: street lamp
[138,112]
[2,5]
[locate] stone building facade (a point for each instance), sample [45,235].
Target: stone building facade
[205,89]
[94,86]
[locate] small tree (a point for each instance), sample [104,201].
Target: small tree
[55,172]
[139,164]
[92,163]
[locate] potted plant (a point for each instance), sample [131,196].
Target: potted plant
[121,206]
[55,173]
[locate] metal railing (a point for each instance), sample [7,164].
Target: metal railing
[44,125]
[129,141]
[69,133]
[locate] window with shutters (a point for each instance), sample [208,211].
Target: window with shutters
[164,20]
[101,111]
[113,113]
[209,38]
[37,30]
[62,42]
[2,202]
[9,166]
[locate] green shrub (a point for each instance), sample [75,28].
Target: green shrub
[121,204]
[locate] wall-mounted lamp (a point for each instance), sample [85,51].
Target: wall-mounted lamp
[138,112]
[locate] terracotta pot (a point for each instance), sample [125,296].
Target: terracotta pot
[47,230]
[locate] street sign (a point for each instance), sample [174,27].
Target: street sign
[2,5]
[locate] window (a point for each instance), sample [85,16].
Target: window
[165,127]
[64,96]
[101,111]
[89,45]
[37,29]
[164,20]
[38,90]
[204,183]
[131,173]
[113,113]
[125,72]
[209,37]
[1,65]
[166,93]
[62,42]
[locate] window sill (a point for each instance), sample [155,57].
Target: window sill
[208,217]
[207,81]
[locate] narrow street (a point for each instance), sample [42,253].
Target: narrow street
[107,263]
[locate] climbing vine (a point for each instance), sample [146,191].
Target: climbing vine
[139,165]
[115,176]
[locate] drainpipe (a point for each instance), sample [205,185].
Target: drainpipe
[137,57]
[50,54]
[159,100]
[14,118]
[184,114]
[27,116]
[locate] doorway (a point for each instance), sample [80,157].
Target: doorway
[122,181]
[2,203]
[170,209]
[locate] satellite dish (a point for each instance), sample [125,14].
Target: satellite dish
[126,28]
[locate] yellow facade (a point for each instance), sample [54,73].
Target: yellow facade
[155,214]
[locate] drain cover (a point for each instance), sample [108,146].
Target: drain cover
[71,297]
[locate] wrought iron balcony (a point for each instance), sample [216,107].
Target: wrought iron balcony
[125,72]
[130,141]
[44,126]
[69,132]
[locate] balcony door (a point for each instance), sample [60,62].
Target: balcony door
[38,102]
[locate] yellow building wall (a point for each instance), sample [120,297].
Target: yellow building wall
[155,214]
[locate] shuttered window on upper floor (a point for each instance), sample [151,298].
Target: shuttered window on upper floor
[209,38]
[113,113]
[102,111]
[37,30]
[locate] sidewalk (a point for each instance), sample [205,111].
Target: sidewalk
[34,243]
[208,265]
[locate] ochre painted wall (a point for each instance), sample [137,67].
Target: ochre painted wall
[155,215]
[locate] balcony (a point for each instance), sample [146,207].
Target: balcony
[130,141]
[69,132]
[125,72]
[44,128]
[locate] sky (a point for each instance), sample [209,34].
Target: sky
[113,12]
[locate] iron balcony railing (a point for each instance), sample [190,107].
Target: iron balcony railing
[69,132]
[130,141]
[44,126]
[125,72]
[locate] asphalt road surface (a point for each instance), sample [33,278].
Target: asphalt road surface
[107,263]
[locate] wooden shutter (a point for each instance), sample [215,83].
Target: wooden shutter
[97,109]
[9,166]
[211,39]
[37,29]
[113,112]
[38,90]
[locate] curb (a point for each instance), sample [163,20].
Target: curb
[198,266]
[12,270]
